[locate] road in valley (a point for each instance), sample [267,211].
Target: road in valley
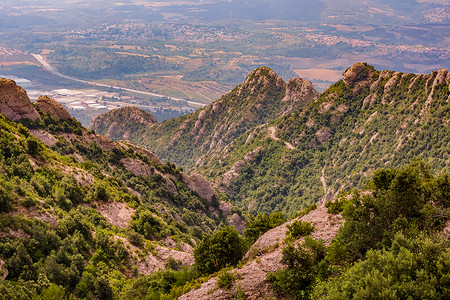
[52,70]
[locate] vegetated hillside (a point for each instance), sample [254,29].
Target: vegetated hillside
[82,214]
[122,123]
[261,98]
[389,241]
[367,120]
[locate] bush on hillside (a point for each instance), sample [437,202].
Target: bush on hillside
[221,249]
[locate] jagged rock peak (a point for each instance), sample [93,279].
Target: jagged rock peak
[201,186]
[261,77]
[298,90]
[263,72]
[264,80]
[14,101]
[443,75]
[120,123]
[351,74]
[50,106]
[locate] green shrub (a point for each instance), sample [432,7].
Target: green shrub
[225,279]
[337,206]
[147,224]
[6,198]
[299,228]
[416,268]
[53,292]
[256,226]
[32,145]
[28,202]
[398,202]
[173,264]
[240,294]
[135,238]
[304,266]
[224,248]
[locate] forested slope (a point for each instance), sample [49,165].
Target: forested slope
[367,120]
[83,215]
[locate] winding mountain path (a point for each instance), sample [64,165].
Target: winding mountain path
[52,70]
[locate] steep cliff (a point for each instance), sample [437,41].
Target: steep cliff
[14,102]
[49,106]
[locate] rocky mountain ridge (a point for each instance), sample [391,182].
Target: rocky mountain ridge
[369,119]
[355,123]
[103,212]
[17,104]
[262,97]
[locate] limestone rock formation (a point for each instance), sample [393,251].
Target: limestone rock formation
[14,102]
[121,123]
[49,106]
[350,74]
[201,186]
[264,257]
[298,90]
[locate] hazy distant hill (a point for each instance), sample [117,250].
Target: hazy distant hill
[377,12]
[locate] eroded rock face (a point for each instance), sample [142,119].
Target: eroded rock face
[122,122]
[201,186]
[299,90]
[44,136]
[14,102]
[350,75]
[49,106]
[117,213]
[137,167]
[258,79]
[130,146]
[264,257]
[237,222]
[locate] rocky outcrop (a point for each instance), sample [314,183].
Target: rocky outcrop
[350,74]
[299,90]
[14,102]
[117,213]
[237,222]
[122,123]
[149,154]
[49,106]
[44,136]
[137,167]
[264,257]
[157,259]
[201,186]
[259,80]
